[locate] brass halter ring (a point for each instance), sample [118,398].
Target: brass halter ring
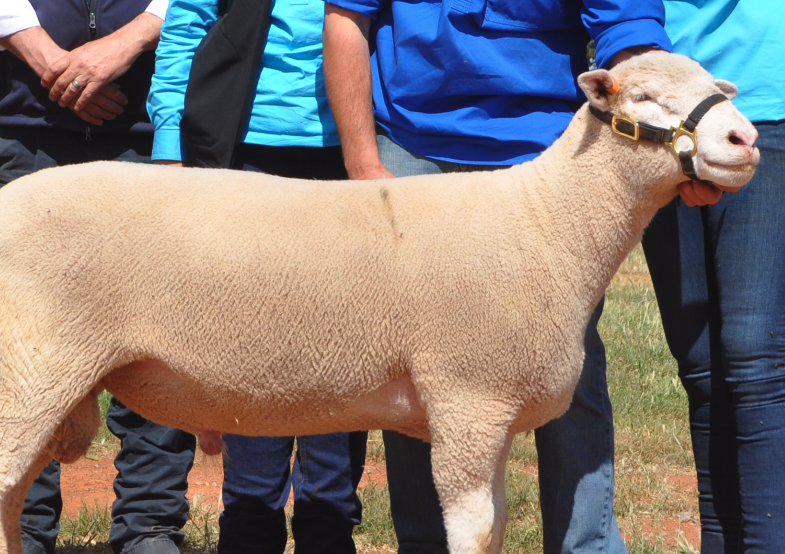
[682,132]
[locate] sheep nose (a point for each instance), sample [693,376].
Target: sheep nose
[744,140]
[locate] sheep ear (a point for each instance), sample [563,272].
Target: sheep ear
[728,89]
[598,85]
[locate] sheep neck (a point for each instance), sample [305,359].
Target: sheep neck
[597,191]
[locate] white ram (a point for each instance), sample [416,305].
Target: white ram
[448,307]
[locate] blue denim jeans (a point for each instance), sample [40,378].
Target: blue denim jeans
[575,451]
[719,275]
[257,480]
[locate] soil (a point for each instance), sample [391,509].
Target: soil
[89,482]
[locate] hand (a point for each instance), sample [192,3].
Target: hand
[76,78]
[628,53]
[171,163]
[92,67]
[36,48]
[104,106]
[696,193]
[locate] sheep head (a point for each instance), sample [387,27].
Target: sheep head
[661,90]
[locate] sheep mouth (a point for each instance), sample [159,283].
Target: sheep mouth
[727,177]
[736,168]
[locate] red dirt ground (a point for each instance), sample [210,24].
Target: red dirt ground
[89,482]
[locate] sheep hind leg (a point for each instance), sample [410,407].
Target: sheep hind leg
[468,456]
[29,440]
[12,498]
[73,436]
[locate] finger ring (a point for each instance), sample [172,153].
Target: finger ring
[76,84]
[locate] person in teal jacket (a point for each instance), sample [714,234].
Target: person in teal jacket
[719,275]
[289,132]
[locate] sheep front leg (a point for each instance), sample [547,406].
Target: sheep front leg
[470,445]
[500,497]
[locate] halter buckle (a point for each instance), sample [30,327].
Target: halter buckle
[636,130]
[682,132]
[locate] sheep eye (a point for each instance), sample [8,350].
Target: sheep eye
[641,97]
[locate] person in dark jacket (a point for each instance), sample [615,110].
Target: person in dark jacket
[73,84]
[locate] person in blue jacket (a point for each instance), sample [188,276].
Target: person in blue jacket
[75,76]
[719,276]
[460,85]
[290,132]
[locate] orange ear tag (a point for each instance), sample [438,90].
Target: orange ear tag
[614,88]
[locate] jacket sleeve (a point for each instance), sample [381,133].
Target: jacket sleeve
[186,24]
[619,24]
[368,8]
[15,16]
[158,8]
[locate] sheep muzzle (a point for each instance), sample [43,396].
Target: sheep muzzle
[635,130]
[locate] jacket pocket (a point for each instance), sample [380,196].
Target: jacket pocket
[519,15]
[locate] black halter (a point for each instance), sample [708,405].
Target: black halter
[635,130]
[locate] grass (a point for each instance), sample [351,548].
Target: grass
[104,439]
[650,411]
[652,445]
[376,531]
[89,528]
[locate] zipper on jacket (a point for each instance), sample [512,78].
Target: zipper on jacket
[90,5]
[87,135]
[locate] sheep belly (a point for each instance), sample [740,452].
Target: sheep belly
[182,400]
